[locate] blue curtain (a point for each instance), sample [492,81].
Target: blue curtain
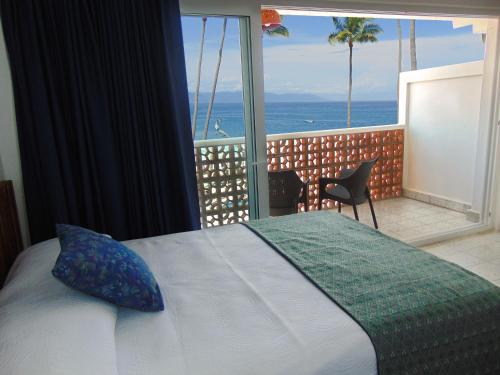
[103,115]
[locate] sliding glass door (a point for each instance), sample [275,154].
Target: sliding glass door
[219,72]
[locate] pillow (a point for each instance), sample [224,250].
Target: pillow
[96,264]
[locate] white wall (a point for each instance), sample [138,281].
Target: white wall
[442,117]
[10,164]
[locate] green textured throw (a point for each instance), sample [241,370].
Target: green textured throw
[423,314]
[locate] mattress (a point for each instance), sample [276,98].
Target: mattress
[233,306]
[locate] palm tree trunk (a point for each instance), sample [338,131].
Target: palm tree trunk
[198,78]
[214,86]
[350,88]
[413,46]
[400,56]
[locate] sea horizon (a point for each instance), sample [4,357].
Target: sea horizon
[306,101]
[289,117]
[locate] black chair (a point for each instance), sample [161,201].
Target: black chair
[286,191]
[351,188]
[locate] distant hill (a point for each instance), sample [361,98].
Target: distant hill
[236,97]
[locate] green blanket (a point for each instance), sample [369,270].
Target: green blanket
[422,314]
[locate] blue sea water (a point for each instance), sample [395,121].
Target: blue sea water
[297,117]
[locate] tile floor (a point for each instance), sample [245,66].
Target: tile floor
[408,219]
[479,253]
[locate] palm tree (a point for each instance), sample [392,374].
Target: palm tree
[413,46]
[216,78]
[352,30]
[198,79]
[400,55]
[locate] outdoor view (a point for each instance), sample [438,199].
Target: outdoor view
[308,62]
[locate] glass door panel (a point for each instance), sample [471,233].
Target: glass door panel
[216,52]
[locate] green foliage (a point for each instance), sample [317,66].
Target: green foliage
[353,30]
[278,31]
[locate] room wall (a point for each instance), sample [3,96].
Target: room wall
[10,164]
[2,174]
[442,118]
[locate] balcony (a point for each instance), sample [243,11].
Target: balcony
[222,182]
[425,182]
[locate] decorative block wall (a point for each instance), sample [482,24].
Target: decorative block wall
[221,169]
[222,184]
[325,156]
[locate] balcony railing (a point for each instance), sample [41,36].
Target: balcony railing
[222,174]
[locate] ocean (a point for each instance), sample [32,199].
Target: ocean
[296,117]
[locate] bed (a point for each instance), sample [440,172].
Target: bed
[234,305]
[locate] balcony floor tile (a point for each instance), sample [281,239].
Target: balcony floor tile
[479,253]
[408,219]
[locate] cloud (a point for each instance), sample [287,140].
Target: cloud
[229,74]
[322,69]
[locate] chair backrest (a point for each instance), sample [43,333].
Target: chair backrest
[359,179]
[284,189]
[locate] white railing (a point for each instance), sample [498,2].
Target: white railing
[313,133]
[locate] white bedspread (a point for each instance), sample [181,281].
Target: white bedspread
[233,306]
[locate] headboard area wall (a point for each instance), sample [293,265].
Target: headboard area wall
[10,234]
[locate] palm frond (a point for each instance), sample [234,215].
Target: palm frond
[338,23]
[366,38]
[278,31]
[332,38]
[372,28]
[342,36]
[355,24]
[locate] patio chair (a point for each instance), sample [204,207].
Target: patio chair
[351,188]
[286,191]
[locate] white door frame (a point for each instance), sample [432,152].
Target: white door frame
[486,173]
[255,141]
[253,92]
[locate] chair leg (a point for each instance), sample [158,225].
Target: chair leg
[355,211]
[320,204]
[373,212]
[339,207]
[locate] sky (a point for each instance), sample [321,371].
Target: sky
[306,63]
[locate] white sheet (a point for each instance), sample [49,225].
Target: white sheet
[233,306]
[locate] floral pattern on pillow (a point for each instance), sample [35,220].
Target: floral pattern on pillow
[96,264]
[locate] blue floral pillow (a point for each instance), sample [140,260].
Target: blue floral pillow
[102,267]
